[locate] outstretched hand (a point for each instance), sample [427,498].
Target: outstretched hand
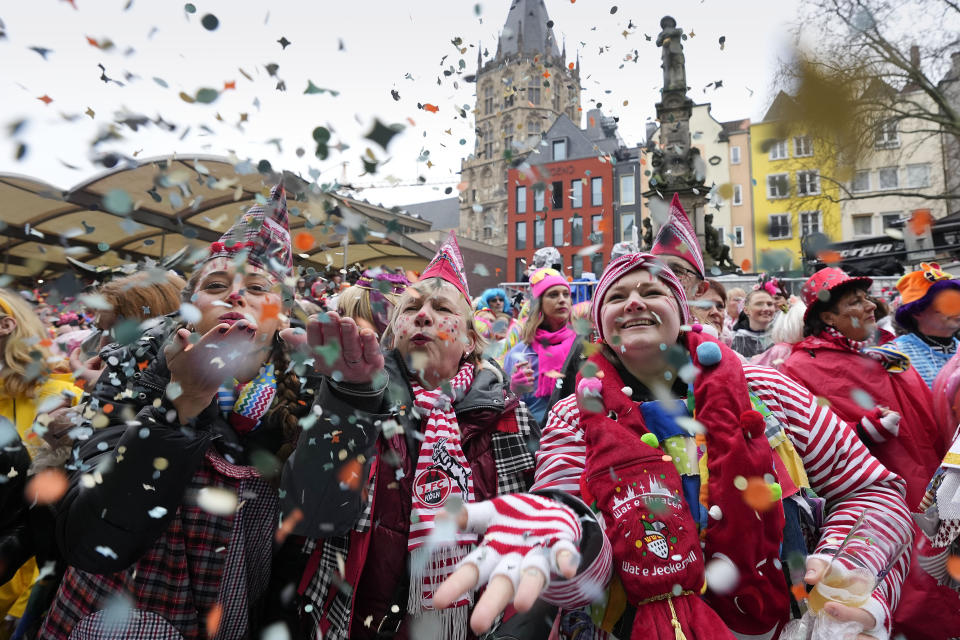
[338,345]
[816,567]
[514,562]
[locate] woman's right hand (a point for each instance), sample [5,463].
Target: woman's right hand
[338,346]
[199,369]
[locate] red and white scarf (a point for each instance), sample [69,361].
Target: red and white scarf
[442,472]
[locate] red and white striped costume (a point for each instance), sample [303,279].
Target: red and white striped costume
[840,468]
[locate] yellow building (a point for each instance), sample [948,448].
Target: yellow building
[790,201]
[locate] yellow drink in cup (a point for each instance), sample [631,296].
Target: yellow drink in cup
[851,586]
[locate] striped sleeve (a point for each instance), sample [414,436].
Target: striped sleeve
[562,456]
[842,471]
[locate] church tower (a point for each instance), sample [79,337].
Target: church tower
[520,92]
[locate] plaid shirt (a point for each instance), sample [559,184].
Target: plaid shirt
[328,600]
[200,561]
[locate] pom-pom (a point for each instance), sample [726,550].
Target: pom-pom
[752,423]
[651,440]
[708,353]
[776,491]
[696,327]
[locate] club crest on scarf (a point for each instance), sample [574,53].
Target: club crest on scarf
[433,486]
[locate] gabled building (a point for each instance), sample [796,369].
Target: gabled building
[790,201]
[521,91]
[740,196]
[567,194]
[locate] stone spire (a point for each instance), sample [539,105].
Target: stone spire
[526,30]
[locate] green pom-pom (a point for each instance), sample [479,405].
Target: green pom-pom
[650,439]
[776,491]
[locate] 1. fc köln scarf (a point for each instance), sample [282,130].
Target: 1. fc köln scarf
[442,472]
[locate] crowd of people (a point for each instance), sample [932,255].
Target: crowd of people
[259,452]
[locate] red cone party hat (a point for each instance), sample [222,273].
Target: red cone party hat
[448,265]
[678,238]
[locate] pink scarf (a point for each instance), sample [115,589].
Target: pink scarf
[551,348]
[442,473]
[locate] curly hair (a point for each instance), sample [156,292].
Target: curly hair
[26,361]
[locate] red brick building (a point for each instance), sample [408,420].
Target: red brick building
[560,204]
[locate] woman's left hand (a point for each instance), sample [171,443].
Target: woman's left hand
[815,570]
[515,563]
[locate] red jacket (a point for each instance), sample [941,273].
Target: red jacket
[841,376]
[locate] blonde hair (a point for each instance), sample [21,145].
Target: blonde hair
[354,302]
[140,295]
[26,362]
[424,288]
[532,323]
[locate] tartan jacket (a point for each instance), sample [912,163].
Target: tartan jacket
[129,526]
[344,528]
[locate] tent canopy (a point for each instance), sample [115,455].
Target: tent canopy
[143,212]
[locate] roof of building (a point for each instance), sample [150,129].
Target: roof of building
[526,30]
[600,137]
[735,126]
[441,214]
[151,209]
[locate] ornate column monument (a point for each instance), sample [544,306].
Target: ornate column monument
[675,167]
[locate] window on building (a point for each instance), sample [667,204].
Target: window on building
[734,155]
[538,200]
[596,264]
[539,233]
[802,146]
[577,267]
[886,136]
[534,126]
[888,178]
[778,185]
[810,222]
[519,266]
[557,232]
[628,193]
[918,175]
[863,225]
[487,233]
[780,226]
[556,98]
[576,231]
[508,143]
[627,222]
[556,195]
[488,100]
[861,182]
[738,236]
[596,192]
[808,183]
[737,194]
[521,199]
[486,136]
[890,220]
[533,92]
[778,150]
[509,92]
[521,240]
[473,195]
[559,150]
[596,235]
[576,194]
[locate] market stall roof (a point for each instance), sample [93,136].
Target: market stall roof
[142,212]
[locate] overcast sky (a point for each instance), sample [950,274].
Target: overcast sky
[361,50]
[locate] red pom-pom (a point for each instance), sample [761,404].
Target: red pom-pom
[752,423]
